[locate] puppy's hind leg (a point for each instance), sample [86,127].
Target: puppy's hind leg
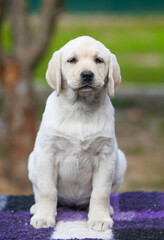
[32,178]
[33,207]
[120,171]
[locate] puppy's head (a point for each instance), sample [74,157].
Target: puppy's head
[84,65]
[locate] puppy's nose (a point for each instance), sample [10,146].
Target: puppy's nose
[87,76]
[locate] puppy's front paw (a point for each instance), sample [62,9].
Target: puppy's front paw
[42,221]
[100,225]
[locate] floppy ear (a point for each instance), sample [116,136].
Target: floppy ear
[53,74]
[114,76]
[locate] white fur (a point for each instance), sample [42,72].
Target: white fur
[75,158]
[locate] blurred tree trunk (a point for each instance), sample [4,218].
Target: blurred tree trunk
[19,114]
[16,77]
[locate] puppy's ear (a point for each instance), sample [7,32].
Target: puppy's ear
[53,74]
[114,76]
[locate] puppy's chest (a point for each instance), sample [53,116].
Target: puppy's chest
[75,152]
[77,157]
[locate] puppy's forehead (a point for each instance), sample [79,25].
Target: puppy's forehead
[84,46]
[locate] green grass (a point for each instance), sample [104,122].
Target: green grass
[7,38]
[137,41]
[142,75]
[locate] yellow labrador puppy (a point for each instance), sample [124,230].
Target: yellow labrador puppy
[76,160]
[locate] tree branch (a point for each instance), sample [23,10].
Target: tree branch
[47,21]
[19,21]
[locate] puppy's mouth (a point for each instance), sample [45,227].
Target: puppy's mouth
[86,90]
[86,87]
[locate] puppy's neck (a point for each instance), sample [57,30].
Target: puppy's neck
[91,102]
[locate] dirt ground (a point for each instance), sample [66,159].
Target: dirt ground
[140,134]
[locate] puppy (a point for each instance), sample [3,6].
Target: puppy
[75,159]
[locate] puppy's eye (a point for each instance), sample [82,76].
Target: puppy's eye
[98,60]
[72,60]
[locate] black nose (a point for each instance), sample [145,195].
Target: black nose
[87,76]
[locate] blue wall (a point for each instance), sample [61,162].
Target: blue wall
[105,6]
[114,6]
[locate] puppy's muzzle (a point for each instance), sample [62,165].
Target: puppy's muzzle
[86,78]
